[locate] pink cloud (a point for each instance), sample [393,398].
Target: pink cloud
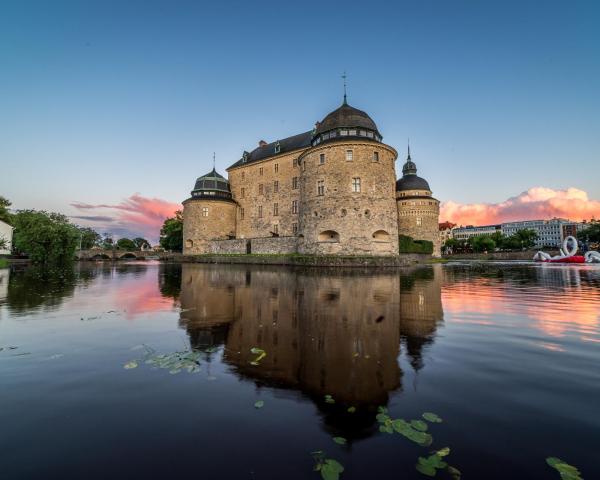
[134,216]
[535,203]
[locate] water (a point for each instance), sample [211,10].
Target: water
[506,354]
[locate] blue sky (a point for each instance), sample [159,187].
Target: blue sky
[103,99]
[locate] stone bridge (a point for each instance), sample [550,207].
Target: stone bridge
[99,254]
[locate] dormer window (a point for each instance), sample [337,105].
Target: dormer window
[245,157]
[277,147]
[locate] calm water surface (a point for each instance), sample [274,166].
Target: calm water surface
[508,356]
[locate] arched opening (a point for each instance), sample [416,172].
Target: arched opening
[381,236]
[100,256]
[189,244]
[128,255]
[329,236]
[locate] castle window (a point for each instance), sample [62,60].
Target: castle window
[352,133]
[294,228]
[332,134]
[322,158]
[294,206]
[243,175]
[419,222]
[205,211]
[260,188]
[243,192]
[295,162]
[277,147]
[349,155]
[189,243]
[260,211]
[329,236]
[276,229]
[321,187]
[356,184]
[363,133]
[276,167]
[260,171]
[275,186]
[275,209]
[295,183]
[241,213]
[375,156]
[343,133]
[370,134]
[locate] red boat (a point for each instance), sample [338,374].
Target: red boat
[573,259]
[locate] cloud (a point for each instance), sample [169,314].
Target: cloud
[534,204]
[132,217]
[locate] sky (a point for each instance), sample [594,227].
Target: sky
[109,110]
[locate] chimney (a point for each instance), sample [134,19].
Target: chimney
[262,143]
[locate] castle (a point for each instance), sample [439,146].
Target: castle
[328,191]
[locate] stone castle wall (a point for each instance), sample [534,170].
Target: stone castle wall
[418,217]
[265,245]
[253,186]
[340,220]
[198,229]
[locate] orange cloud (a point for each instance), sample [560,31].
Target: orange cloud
[536,203]
[134,216]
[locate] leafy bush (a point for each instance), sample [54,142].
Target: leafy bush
[408,245]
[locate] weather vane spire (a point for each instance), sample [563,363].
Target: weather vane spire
[214,167]
[344,76]
[408,143]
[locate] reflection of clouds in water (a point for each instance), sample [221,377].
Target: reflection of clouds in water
[558,299]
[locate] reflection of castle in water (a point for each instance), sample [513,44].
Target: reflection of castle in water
[325,332]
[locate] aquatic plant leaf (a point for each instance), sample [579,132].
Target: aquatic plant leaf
[419,425]
[331,469]
[256,350]
[329,399]
[382,410]
[567,472]
[432,417]
[454,472]
[174,371]
[351,409]
[130,365]
[259,404]
[340,440]
[426,470]
[443,452]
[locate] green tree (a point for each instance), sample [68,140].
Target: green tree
[89,238]
[126,244]
[526,237]
[5,215]
[141,243]
[590,234]
[171,233]
[44,237]
[482,243]
[107,242]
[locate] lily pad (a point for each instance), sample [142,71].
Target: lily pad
[329,399]
[259,404]
[443,452]
[432,417]
[454,472]
[340,440]
[351,409]
[130,365]
[419,425]
[566,471]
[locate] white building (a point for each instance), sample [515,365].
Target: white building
[6,233]
[464,233]
[551,233]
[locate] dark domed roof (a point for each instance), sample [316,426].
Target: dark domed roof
[410,180]
[212,185]
[346,116]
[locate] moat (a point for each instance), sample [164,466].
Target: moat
[151,370]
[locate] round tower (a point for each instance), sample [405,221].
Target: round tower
[209,214]
[347,203]
[418,211]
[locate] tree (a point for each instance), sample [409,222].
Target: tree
[482,243]
[89,238]
[590,234]
[45,237]
[171,233]
[107,242]
[5,215]
[126,244]
[141,243]
[526,237]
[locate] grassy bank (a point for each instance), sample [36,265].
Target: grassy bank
[3,263]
